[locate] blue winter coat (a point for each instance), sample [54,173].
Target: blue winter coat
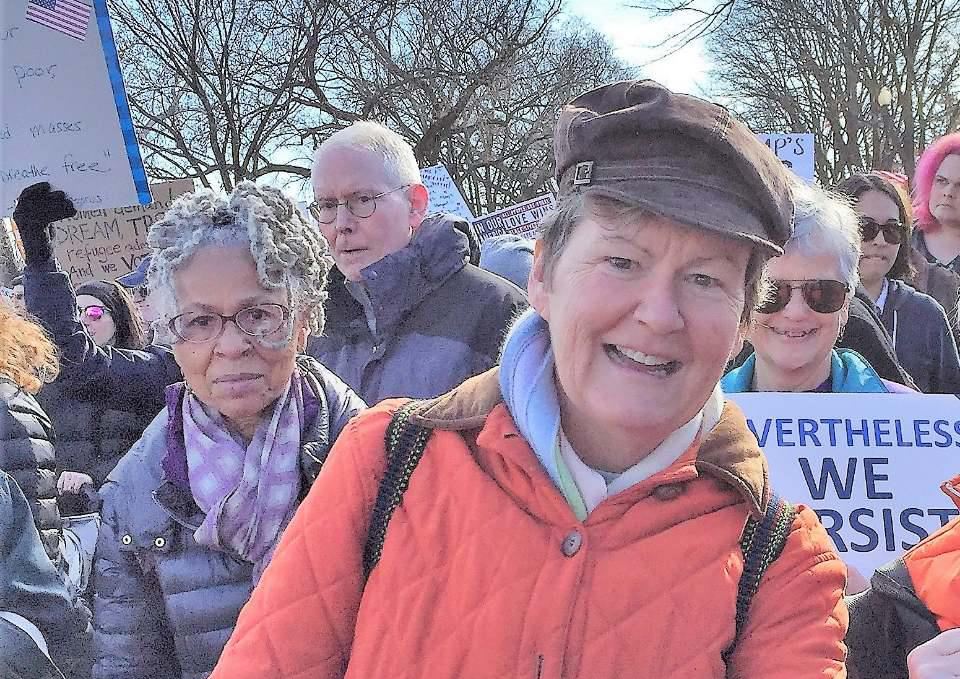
[165,606]
[431,320]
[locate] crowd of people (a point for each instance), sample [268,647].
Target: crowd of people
[355,442]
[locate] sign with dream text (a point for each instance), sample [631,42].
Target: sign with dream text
[521,219]
[444,194]
[64,116]
[105,244]
[794,150]
[870,465]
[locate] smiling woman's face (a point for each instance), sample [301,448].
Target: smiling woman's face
[234,374]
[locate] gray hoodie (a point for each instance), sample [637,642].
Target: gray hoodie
[922,339]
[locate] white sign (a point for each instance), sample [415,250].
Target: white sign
[106,244]
[521,219]
[64,116]
[444,194]
[794,150]
[870,465]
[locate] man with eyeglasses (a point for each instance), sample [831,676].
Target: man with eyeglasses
[407,314]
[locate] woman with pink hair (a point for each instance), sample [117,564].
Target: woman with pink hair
[936,208]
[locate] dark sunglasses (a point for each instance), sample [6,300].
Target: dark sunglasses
[822,296]
[892,230]
[94,312]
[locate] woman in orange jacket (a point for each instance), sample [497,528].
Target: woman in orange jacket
[908,623]
[592,508]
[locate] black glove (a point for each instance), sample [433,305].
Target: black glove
[37,208]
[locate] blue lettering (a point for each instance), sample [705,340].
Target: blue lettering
[828,470]
[881,428]
[831,424]
[941,428]
[919,531]
[761,439]
[808,429]
[783,430]
[863,432]
[833,530]
[919,434]
[871,477]
[872,538]
[944,515]
[901,442]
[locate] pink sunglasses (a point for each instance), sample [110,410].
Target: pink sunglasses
[94,312]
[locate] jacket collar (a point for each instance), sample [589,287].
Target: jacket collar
[174,495]
[729,452]
[401,280]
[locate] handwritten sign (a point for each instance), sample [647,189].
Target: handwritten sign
[870,465]
[64,116]
[521,219]
[444,194]
[794,150]
[105,244]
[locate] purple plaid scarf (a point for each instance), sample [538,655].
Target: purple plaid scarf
[248,493]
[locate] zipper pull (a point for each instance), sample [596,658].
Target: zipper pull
[539,667]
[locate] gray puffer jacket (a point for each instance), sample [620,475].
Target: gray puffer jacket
[922,339]
[165,606]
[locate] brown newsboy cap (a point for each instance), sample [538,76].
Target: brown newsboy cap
[678,156]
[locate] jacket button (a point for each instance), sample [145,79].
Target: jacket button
[126,539]
[159,543]
[571,543]
[668,491]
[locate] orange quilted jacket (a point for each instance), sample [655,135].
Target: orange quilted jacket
[934,568]
[481,576]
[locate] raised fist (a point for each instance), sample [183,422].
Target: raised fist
[37,208]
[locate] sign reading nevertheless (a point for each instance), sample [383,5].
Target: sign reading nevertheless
[444,194]
[521,219]
[870,465]
[794,150]
[105,244]
[64,116]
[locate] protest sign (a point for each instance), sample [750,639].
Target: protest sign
[870,465]
[105,244]
[64,116]
[521,219]
[794,150]
[444,194]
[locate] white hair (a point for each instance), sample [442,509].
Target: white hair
[398,159]
[825,224]
[289,252]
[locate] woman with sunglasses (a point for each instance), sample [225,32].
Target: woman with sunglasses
[86,430]
[917,324]
[803,312]
[110,316]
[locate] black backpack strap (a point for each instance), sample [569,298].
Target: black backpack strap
[405,443]
[762,542]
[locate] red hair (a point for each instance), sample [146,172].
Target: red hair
[927,167]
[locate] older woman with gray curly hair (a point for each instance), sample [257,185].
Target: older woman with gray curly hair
[192,513]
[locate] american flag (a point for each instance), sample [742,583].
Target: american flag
[69,17]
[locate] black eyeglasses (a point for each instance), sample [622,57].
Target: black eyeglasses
[892,230]
[822,296]
[203,326]
[361,205]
